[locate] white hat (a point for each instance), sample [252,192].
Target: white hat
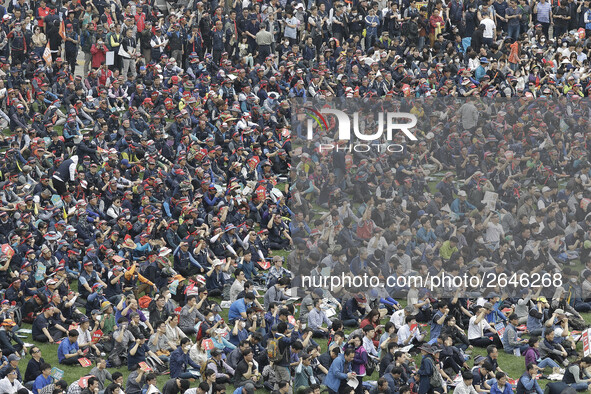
[462,193]
[546,189]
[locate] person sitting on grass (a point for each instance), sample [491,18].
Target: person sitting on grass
[138,352]
[460,340]
[92,387]
[34,366]
[532,355]
[480,377]
[340,370]
[136,380]
[511,340]
[68,352]
[44,330]
[576,373]
[223,372]
[480,333]
[10,384]
[451,356]
[409,333]
[100,372]
[501,386]
[465,386]
[528,382]
[180,360]
[9,342]
[85,338]
[247,371]
[353,309]
[60,385]
[215,277]
[550,348]
[175,386]
[44,379]
[537,317]
[33,307]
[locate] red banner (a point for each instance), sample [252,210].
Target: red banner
[85,362]
[207,344]
[7,250]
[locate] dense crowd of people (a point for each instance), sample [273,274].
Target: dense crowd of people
[156,170]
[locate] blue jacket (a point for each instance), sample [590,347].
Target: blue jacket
[527,384]
[436,328]
[426,370]
[337,373]
[494,389]
[178,362]
[496,315]
[41,382]
[457,208]
[66,348]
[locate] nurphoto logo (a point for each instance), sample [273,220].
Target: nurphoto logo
[388,122]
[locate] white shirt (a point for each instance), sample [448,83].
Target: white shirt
[477,330]
[376,243]
[398,319]
[155,41]
[369,347]
[10,388]
[462,388]
[412,298]
[494,232]
[489,28]
[404,333]
[84,336]
[235,289]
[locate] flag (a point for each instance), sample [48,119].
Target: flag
[47,54]
[62,31]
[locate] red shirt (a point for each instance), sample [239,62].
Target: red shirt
[140,19]
[42,12]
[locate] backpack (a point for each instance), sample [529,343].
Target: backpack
[159,369]
[435,380]
[410,28]
[273,351]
